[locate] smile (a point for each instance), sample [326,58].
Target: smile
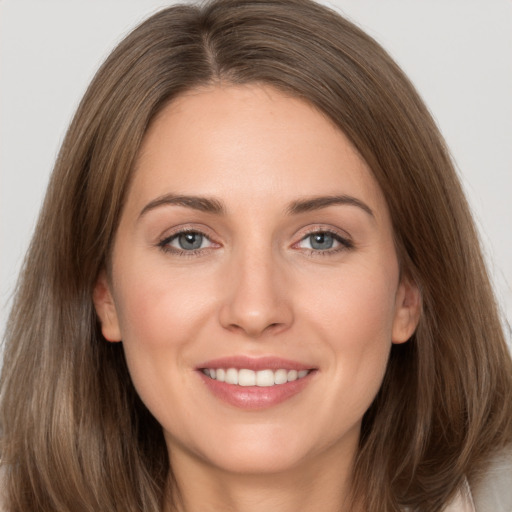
[261,378]
[255,383]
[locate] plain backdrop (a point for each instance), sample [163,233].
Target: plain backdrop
[457,52]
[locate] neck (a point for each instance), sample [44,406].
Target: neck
[316,484]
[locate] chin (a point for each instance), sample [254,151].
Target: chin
[253,451]
[249,461]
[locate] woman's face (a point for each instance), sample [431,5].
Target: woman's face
[256,244]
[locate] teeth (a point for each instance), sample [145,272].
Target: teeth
[231,376]
[292,375]
[262,378]
[246,378]
[281,376]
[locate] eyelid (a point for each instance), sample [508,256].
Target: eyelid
[163,241]
[187,228]
[339,235]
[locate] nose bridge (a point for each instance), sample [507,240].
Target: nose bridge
[255,299]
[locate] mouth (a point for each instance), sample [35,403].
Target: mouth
[255,383]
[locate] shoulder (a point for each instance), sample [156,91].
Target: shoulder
[492,491]
[489,492]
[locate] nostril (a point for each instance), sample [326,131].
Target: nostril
[254,314]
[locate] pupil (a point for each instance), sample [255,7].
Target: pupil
[321,241]
[190,241]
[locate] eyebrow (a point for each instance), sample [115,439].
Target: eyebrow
[212,205]
[203,204]
[317,203]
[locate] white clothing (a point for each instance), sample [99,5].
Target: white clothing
[492,492]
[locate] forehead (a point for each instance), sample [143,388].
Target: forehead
[235,141]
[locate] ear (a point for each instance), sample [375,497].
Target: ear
[106,308]
[407,311]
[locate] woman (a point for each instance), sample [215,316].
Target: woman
[255,282]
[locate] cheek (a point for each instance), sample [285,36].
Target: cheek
[354,318]
[360,306]
[159,316]
[158,307]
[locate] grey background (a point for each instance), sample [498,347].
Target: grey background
[457,52]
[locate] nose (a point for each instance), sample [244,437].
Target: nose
[256,298]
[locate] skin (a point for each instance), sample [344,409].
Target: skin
[257,288]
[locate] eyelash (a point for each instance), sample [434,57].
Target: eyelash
[345,243]
[165,246]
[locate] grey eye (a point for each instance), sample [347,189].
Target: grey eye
[321,241]
[186,241]
[190,241]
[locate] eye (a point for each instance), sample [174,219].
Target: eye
[320,241]
[324,241]
[186,241]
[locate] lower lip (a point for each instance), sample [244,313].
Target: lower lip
[255,397]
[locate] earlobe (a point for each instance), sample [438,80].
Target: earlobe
[407,311]
[106,308]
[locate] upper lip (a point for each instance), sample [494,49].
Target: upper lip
[254,363]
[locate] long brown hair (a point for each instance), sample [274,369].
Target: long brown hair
[76,437]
